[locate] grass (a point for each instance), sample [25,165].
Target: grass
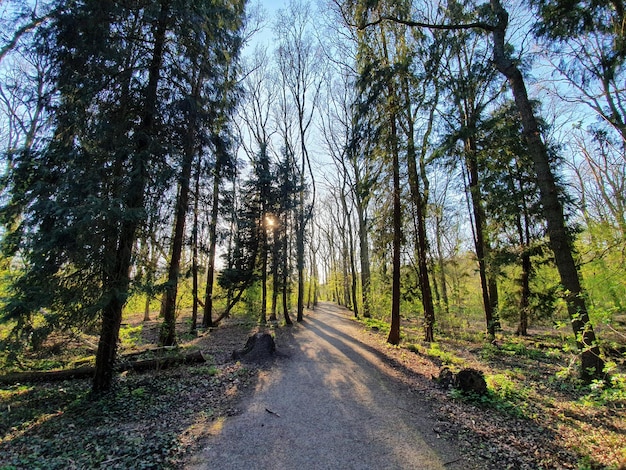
[375,324]
[131,336]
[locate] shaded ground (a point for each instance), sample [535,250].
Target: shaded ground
[331,404]
[343,399]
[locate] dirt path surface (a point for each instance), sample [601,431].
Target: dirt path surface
[330,405]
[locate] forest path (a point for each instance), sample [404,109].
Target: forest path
[329,405]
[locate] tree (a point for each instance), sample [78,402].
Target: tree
[587,52]
[350,130]
[420,94]
[260,95]
[300,66]
[592,364]
[560,242]
[77,207]
[207,65]
[336,117]
[511,199]
[470,79]
[118,275]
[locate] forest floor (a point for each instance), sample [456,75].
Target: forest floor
[535,415]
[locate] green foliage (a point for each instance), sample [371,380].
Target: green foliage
[608,393]
[130,336]
[98,171]
[516,347]
[508,396]
[252,299]
[603,271]
[375,324]
[207,370]
[446,357]
[504,394]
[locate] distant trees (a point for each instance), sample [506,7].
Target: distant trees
[470,81]
[207,68]
[278,194]
[299,67]
[512,202]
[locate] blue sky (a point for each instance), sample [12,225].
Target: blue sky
[270,7]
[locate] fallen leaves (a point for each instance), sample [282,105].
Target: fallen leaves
[150,420]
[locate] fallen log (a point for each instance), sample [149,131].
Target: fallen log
[85,372]
[195,357]
[47,376]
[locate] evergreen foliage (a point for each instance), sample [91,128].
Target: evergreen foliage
[78,202]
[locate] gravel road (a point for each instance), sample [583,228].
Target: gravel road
[329,405]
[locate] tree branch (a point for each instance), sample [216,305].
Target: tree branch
[443,27]
[19,33]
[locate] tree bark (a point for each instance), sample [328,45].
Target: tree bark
[285,271]
[207,318]
[441,262]
[168,328]
[479,234]
[364,259]
[85,372]
[119,278]
[194,256]
[264,252]
[275,276]
[592,364]
[350,260]
[394,330]
[419,203]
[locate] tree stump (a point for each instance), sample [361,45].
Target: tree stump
[446,378]
[466,380]
[259,347]
[471,381]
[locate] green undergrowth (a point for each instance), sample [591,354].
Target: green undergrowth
[504,394]
[375,324]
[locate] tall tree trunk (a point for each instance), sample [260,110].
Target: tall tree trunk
[441,262]
[275,272]
[119,278]
[522,223]
[419,202]
[148,255]
[592,365]
[207,318]
[350,249]
[364,260]
[394,330]
[522,327]
[167,335]
[264,250]
[479,233]
[194,256]
[353,276]
[315,274]
[300,233]
[285,274]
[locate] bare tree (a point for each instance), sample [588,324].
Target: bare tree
[300,66]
